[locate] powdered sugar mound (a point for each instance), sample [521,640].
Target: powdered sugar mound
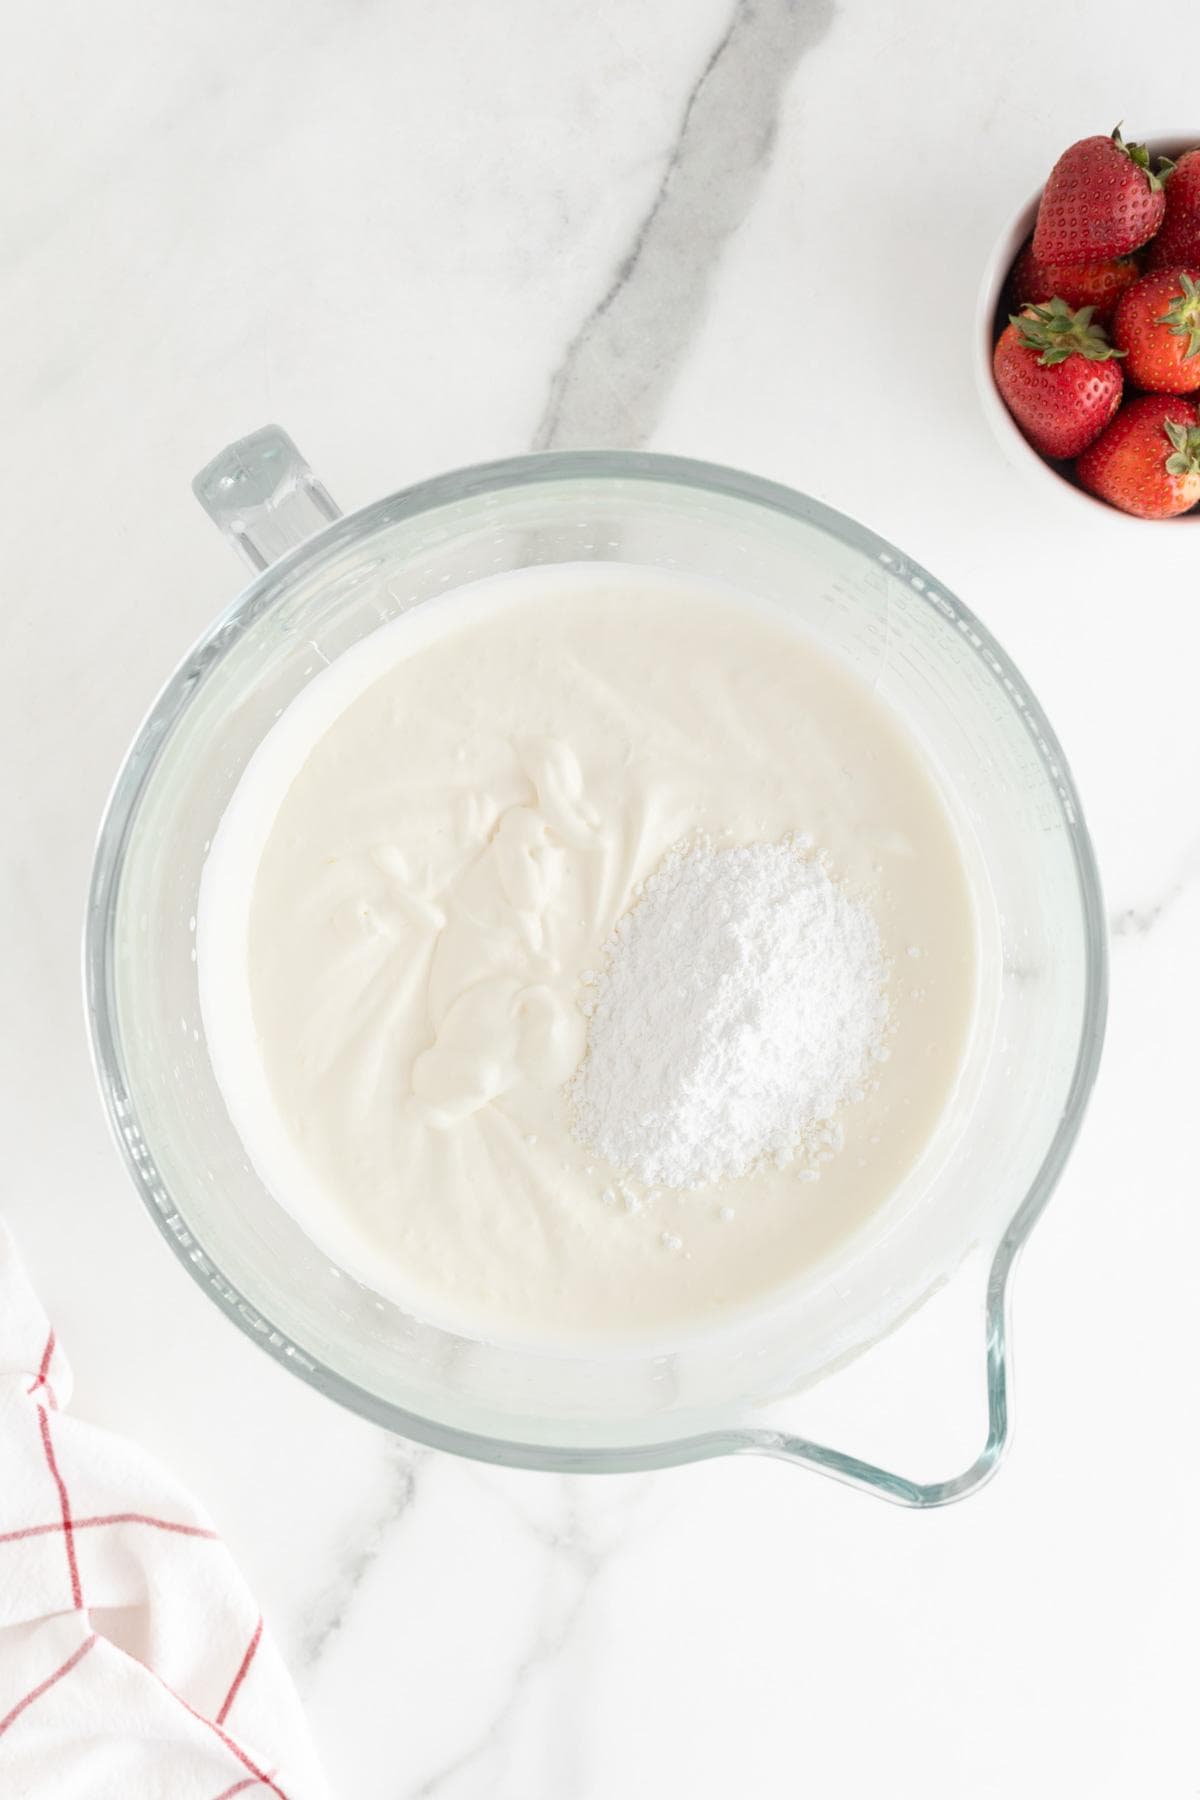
[740,1002]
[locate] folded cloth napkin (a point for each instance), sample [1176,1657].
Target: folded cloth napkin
[133,1664]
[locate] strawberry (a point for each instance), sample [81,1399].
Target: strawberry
[1178,243]
[1056,374]
[1157,324]
[1102,200]
[1148,461]
[1098,285]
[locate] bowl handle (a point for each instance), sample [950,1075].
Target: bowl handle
[264,497]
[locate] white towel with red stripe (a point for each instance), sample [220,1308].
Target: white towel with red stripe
[133,1664]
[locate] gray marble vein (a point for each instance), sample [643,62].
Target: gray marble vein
[1140,920]
[578,1555]
[332,1605]
[610,386]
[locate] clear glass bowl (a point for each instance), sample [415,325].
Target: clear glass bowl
[1029,1069]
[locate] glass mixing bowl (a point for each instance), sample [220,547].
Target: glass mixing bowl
[955,1225]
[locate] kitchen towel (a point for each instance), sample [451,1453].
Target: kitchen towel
[133,1664]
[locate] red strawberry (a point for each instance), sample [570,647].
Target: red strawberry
[1098,285]
[1055,373]
[1157,325]
[1178,243]
[1148,461]
[1101,200]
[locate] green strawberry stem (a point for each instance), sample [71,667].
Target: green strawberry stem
[1058,333]
[1183,316]
[1140,157]
[1185,446]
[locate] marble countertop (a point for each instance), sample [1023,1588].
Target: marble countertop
[422,235]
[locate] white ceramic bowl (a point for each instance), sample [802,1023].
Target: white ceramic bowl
[1016,447]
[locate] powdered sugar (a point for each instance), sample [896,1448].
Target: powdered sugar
[740,1003]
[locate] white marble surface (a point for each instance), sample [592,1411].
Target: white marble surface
[420,235]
